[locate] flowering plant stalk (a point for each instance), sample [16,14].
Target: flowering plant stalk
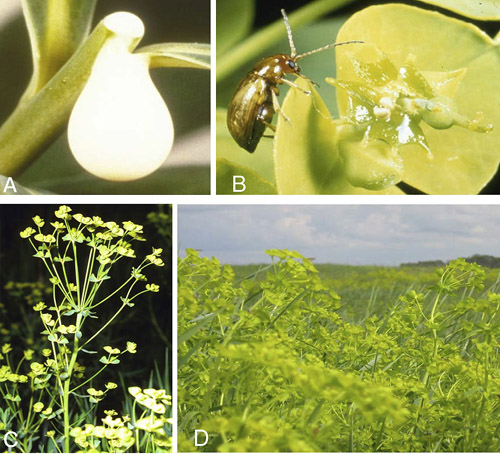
[79,253]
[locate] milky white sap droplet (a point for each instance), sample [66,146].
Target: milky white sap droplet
[120,128]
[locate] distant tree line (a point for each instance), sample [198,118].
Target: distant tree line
[483,260]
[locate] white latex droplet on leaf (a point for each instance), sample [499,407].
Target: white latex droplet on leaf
[120,128]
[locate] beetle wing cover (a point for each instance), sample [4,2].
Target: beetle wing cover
[251,95]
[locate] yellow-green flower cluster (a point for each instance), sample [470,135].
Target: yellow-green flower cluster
[154,258]
[118,436]
[7,375]
[154,399]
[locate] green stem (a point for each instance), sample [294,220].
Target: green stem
[112,294]
[55,444]
[77,278]
[57,43]
[434,307]
[141,267]
[105,326]
[252,46]
[66,415]
[88,273]
[67,383]
[426,378]
[351,428]
[483,400]
[90,379]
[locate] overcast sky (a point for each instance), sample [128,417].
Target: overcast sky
[348,234]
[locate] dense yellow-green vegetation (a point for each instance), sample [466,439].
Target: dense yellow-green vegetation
[348,359]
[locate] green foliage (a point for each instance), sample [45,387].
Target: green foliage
[46,391]
[409,110]
[271,364]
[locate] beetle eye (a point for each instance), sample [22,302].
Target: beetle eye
[291,64]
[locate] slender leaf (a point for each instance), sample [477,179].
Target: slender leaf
[196,327]
[178,55]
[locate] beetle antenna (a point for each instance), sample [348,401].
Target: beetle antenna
[315,51]
[289,33]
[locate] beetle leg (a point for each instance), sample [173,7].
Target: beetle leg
[277,107]
[294,85]
[269,125]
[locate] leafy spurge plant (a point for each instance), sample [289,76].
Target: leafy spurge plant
[80,253]
[270,364]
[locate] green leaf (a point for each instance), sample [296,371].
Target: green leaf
[103,359]
[190,332]
[56,29]
[481,10]
[234,22]
[181,361]
[94,278]
[178,55]
[464,161]
[16,398]
[62,259]
[307,159]
[254,183]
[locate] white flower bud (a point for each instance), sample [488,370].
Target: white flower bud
[120,128]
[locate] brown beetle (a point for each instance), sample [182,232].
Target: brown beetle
[256,99]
